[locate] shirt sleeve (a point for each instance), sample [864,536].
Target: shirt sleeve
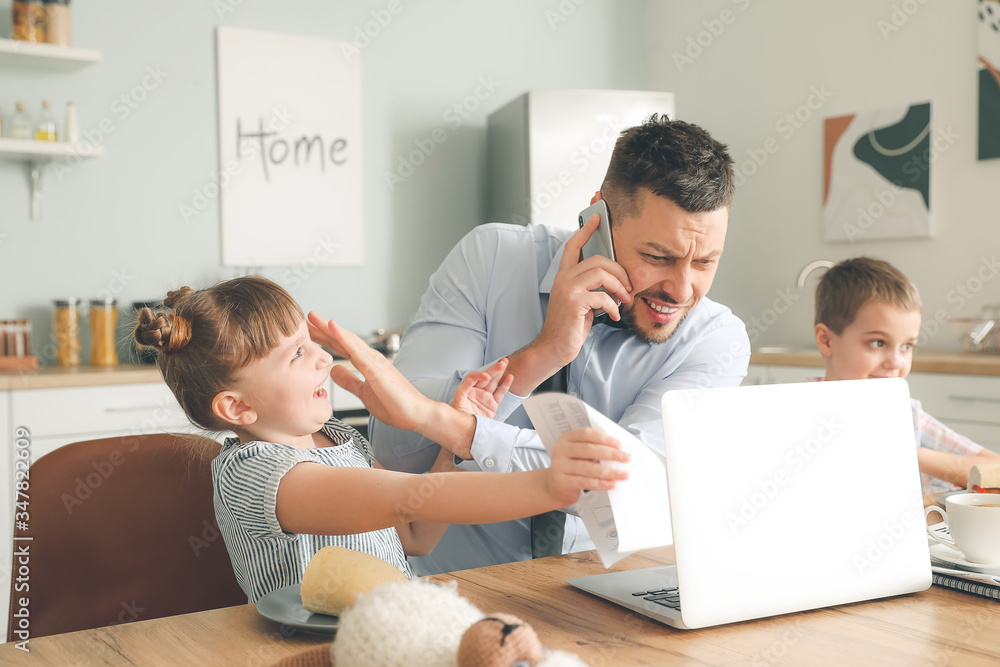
[718,359]
[935,435]
[450,324]
[248,487]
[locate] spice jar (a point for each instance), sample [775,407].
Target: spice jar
[67,332]
[103,320]
[57,22]
[28,18]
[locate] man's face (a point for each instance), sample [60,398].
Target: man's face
[671,257]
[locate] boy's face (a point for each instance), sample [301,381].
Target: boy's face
[286,389]
[877,344]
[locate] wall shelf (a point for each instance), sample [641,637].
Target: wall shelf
[15,53]
[40,154]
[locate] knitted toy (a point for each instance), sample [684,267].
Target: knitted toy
[419,623]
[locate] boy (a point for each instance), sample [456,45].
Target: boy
[867,324]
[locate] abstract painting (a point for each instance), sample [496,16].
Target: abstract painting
[876,174]
[989,79]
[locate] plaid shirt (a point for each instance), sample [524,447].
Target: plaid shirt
[932,434]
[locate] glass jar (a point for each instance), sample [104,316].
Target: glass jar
[103,320]
[67,332]
[28,21]
[57,22]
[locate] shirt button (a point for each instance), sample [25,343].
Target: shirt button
[573,394]
[489,462]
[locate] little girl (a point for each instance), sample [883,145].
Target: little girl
[238,356]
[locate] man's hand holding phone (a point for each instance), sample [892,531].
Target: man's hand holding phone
[581,287]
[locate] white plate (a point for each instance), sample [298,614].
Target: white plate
[955,558]
[285,606]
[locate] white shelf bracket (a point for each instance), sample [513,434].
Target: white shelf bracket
[37,169]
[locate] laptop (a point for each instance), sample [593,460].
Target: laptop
[783,498]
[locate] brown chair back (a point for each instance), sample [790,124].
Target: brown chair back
[121,529]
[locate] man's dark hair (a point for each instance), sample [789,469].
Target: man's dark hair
[672,159]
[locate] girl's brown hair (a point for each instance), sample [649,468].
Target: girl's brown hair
[213,333]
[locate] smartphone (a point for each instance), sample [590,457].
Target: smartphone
[601,242]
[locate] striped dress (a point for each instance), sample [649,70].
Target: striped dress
[245,478]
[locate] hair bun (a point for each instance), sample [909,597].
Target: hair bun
[174,297]
[168,333]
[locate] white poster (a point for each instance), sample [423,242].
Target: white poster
[289,151]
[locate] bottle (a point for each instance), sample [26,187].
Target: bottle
[46,124]
[19,126]
[67,331]
[103,320]
[72,127]
[57,22]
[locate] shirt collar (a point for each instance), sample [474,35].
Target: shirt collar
[545,287]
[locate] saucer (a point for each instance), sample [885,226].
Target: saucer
[957,559]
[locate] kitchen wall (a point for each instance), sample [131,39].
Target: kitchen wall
[739,67]
[114,223]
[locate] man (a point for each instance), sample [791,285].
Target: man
[524,293]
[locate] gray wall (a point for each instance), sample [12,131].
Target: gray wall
[762,65]
[119,215]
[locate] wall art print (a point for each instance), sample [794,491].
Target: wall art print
[876,174]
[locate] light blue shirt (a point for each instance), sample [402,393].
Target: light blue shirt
[488,300]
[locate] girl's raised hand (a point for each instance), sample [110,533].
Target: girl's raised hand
[577,464]
[480,392]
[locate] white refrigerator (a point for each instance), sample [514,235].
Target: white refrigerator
[548,150]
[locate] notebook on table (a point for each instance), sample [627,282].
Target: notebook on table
[783,498]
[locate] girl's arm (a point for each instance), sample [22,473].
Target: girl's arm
[317,499]
[391,398]
[419,537]
[952,468]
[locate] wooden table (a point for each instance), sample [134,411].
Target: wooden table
[937,627]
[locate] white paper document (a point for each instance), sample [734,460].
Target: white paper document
[636,513]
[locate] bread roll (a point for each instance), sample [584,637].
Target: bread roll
[335,577]
[985,478]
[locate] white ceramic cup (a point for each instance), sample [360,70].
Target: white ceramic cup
[974,528]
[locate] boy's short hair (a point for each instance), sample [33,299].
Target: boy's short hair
[850,284]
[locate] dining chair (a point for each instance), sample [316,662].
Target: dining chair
[120,529]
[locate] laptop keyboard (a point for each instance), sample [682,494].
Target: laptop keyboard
[668,597]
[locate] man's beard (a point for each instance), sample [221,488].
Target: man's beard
[631,322]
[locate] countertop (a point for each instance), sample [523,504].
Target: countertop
[924,361]
[49,377]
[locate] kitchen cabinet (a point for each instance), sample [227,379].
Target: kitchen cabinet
[40,154]
[960,390]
